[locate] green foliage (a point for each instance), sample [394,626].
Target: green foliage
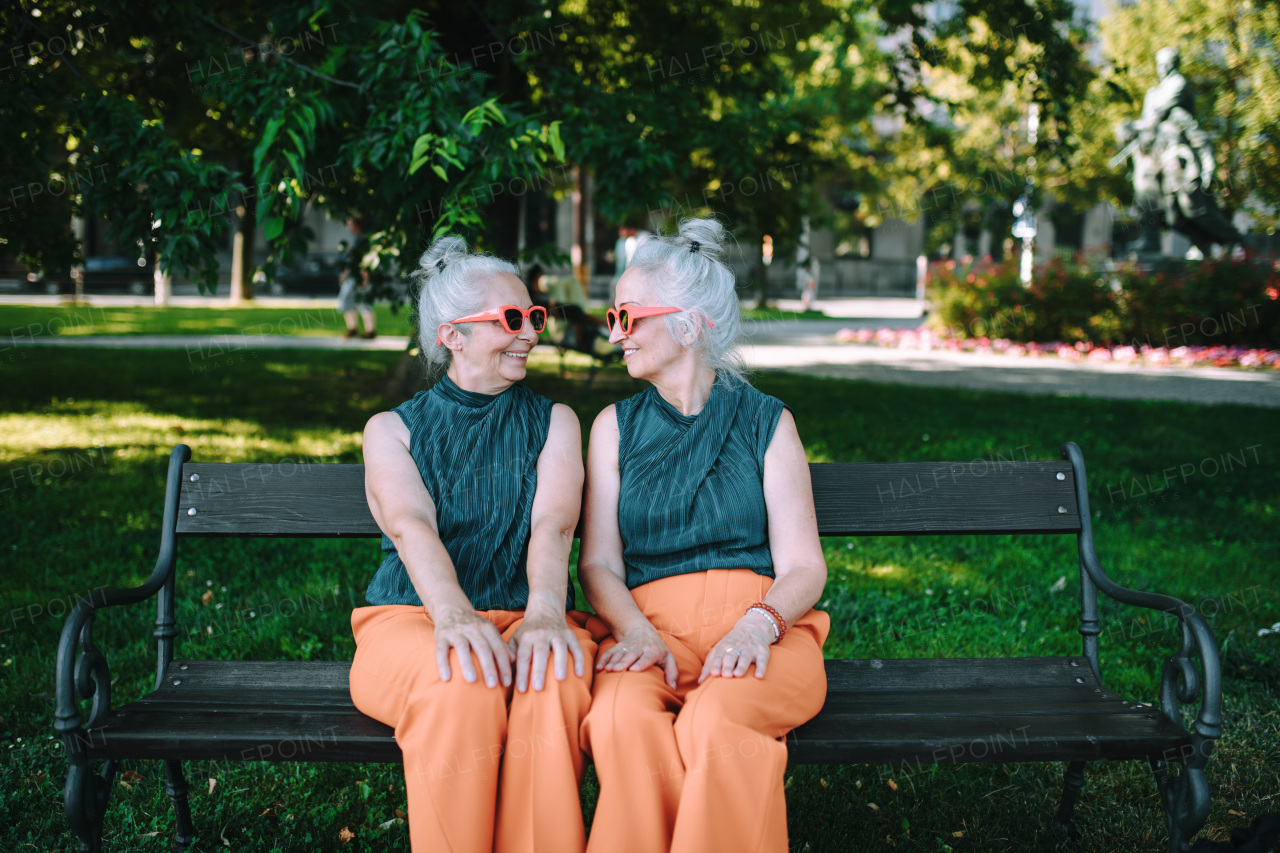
[686,109]
[1227,302]
[411,136]
[438,121]
[1210,303]
[961,154]
[152,191]
[332,105]
[976,300]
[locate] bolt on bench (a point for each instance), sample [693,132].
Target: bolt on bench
[926,711]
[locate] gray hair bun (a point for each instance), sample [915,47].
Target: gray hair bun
[706,237]
[443,252]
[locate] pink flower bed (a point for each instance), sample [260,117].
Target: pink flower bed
[927,339]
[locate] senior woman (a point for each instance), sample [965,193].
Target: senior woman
[700,551]
[476,485]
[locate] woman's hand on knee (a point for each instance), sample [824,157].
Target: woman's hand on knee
[637,651]
[746,643]
[468,634]
[539,638]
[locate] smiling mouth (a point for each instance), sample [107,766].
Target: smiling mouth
[519,356]
[627,353]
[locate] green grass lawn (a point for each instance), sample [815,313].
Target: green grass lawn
[778,314]
[21,322]
[84,441]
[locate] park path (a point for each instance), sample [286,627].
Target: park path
[808,347]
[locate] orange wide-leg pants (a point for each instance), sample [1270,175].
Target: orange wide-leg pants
[700,768]
[486,768]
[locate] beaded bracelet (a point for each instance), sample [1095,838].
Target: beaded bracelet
[779,624]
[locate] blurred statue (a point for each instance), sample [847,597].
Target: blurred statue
[1173,166]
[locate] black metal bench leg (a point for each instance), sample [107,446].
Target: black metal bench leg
[1185,798]
[1072,782]
[85,803]
[176,788]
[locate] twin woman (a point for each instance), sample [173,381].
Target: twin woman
[699,555]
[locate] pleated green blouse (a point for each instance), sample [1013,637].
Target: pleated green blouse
[478,456]
[691,494]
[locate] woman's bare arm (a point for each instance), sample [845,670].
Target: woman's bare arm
[405,512]
[557,502]
[600,566]
[799,566]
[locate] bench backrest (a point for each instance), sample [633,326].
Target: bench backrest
[851,499]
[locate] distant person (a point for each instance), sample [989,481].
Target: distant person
[537,293]
[353,292]
[622,249]
[807,282]
[584,332]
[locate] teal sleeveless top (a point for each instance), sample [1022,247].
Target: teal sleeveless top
[691,494]
[478,456]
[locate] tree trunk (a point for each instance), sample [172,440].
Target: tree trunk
[164,284]
[242,256]
[406,378]
[582,248]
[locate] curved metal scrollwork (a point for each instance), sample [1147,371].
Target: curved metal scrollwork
[82,673]
[1185,795]
[93,678]
[1180,668]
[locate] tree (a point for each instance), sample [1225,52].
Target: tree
[963,86]
[378,120]
[685,109]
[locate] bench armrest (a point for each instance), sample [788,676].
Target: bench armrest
[1180,681]
[81,670]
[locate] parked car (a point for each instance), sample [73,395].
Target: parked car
[318,274]
[100,274]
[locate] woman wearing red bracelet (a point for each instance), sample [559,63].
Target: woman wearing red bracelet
[700,550]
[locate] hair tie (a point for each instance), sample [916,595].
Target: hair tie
[440,265]
[695,246]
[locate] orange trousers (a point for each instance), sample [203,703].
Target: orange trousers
[486,768]
[700,768]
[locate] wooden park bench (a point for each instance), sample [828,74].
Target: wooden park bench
[916,711]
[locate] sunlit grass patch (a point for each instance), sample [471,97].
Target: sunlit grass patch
[321,318]
[127,433]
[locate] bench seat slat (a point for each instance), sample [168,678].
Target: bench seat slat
[274,499]
[912,710]
[931,674]
[980,496]
[969,738]
[238,733]
[913,703]
[851,499]
[256,681]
